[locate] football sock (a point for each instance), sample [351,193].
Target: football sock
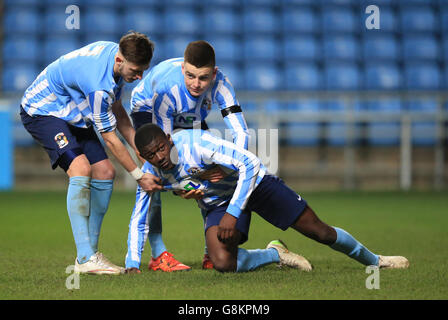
[347,244]
[78,207]
[100,193]
[157,245]
[248,260]
[155,226]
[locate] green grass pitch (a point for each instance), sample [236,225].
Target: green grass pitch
[36,247]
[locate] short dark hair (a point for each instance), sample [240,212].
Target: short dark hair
[146,134]
[136,48]
[200,54]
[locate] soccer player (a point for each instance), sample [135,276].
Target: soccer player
[70,99]
[176,94]
[227,202]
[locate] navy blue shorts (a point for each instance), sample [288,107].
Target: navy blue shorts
[62,141]
[272,200]
[143,117]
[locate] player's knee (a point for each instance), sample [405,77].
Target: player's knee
[103,171]
[79,166]
[224,263]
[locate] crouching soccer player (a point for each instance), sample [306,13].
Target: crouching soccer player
[180,158]
[79,91]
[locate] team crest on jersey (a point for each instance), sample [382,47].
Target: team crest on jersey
[194,171]
[61,140]
[207,103]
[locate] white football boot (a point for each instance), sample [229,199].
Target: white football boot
[98,264]
[289,258]
[393,262]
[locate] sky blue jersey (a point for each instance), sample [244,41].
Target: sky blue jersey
[78,88]
[197,151]
[163,93]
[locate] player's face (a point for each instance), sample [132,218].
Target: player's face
[157,153]
[198,80]
[130,71]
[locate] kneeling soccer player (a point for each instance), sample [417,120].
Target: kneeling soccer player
[180,159]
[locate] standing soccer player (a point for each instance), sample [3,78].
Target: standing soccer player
[176,94]
[73,96]
[229,201]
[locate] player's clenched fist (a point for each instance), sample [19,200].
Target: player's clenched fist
[226,228]
[150,183]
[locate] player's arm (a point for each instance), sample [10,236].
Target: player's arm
[124,126]
[248,166]
[105,121]
[234,119]
[138,227]
[231,111]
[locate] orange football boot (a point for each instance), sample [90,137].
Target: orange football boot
[167,263]
[206,262]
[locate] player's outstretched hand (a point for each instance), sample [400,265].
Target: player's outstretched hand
[226,228]
[213,175]
[192,194]
[150,183]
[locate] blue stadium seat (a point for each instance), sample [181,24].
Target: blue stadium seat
[18,77]
[260,20]
[406,3]
[109,4]
[261,48]
[100,20]
[177,21]
[175,46]
[233,73]
[21,21]
[423,132]
[340,47]
[381,47]
[54,23]
[227,48]
[337,130]
[21,3]
[445,47]
[303,133]
[338,2]
[383,76]
[444,18]
[342,76]
[97,36]
[302,76]
[339,19]
[55,47]
[381,133]
[422,76]
[262,76]
[20,49]
[219,20]
[301,48]
[419,47]
[147,21]
[291,3]
[418,19]
[299,20]
[139,3]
